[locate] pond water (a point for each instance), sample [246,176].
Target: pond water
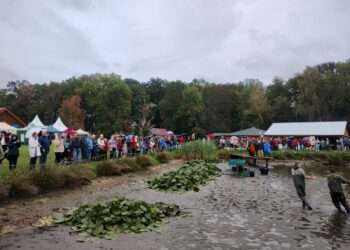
[232,212]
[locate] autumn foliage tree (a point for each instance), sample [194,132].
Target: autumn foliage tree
[72,114]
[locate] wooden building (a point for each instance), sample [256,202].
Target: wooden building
[10,118]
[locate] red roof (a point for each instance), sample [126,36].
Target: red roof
[159,131]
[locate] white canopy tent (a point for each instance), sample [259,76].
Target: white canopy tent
[7,128]
[59,125]
[81,132]
[37,122]
[308,129]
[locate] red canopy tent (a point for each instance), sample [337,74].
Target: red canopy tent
[69,131]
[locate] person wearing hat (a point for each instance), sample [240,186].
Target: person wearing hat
[298,175]
[336,190]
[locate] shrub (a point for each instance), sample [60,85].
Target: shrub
[108,168]
[21,185]
[49,178]
[128,161]
[335,160]
[163,157]
[75,176]
[175,154]
[126,169]
[333,157]
[144,161]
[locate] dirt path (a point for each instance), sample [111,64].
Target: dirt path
[230,213]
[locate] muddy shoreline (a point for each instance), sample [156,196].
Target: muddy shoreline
[232,212]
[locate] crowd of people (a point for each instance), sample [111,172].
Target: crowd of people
[262,146]
[73,148]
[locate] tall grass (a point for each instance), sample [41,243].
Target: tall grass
[198,150]
[333,157]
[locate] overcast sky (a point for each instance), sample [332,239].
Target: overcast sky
[220,41]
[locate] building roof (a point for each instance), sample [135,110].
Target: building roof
[308,129]
[221,134]
[158,131]
[249,132]
[20,122]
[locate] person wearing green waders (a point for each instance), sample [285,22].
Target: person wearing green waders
[299,177]
[336,190]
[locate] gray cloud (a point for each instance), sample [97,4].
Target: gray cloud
[221,41]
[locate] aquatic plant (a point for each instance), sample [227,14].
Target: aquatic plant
[189,177]
[105,219]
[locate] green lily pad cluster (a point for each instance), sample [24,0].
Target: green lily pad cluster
[190,176]
[106,219]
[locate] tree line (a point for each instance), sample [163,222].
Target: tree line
[107,103]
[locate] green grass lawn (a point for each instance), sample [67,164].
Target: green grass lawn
[23,161]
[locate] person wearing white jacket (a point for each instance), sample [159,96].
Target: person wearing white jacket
[34,150]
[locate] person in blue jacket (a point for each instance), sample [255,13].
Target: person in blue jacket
[267,148]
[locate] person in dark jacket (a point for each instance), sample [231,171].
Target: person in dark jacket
[13,152]
[77,145]
[44,148]
[336,190]
[299,176]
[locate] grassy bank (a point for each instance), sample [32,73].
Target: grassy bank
[25,183]
[333,157]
